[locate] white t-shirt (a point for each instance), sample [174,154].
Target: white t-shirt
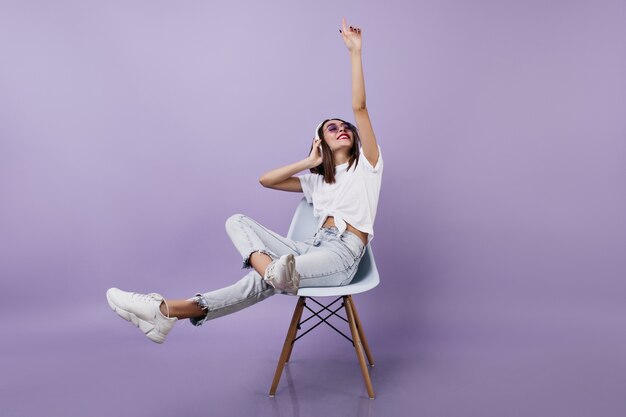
[353,198]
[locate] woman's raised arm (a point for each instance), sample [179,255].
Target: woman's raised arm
[352,38]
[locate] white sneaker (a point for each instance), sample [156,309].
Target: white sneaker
[143,310]
[282,275]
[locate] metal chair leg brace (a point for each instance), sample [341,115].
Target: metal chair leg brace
[323,319]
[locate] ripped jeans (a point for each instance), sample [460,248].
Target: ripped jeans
[324,260]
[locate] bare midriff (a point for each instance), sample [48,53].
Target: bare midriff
[330,221]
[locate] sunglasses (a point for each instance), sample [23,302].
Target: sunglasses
[332,128]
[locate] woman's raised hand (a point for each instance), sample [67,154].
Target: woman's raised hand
[315,157]
[351,36]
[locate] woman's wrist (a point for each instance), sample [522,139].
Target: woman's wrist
[309,163]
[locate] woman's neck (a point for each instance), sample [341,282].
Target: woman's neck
[341,157]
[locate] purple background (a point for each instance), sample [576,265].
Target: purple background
[130,131]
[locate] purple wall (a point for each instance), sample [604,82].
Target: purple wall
[130,131]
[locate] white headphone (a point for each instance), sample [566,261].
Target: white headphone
[317,130]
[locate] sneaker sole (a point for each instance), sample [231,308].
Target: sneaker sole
[291,270]
[147,328]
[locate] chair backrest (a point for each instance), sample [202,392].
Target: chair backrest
[303,226]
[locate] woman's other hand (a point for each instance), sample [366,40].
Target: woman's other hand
[315,157]
[351,36]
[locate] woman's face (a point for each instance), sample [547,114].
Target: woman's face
[337,135]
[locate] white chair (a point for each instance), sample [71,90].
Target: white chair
[303,226]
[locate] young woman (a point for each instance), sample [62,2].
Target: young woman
[343,184]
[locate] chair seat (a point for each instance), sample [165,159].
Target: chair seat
[365,279]
[337,291]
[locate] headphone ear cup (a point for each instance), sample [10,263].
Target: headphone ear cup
[317,136]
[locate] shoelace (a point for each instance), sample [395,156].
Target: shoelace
[149,298]
[268,274]
[145,298]
[271,279]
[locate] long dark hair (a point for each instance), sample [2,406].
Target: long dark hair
[327,167]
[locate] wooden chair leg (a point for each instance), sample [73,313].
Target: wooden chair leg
[287,346]
[294,336]
[359,327]
[358,346]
